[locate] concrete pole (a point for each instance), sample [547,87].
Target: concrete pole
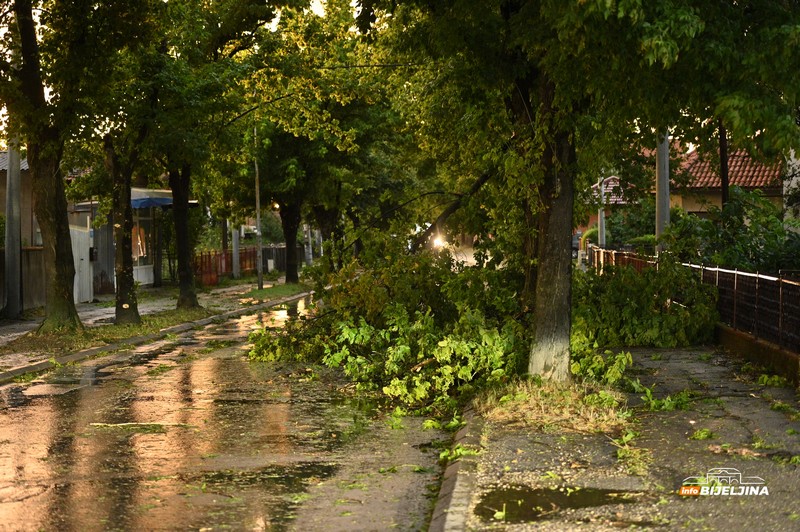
[259,251]
[13,236]
[662,187]
[308,248]
[236,264]
[601,216]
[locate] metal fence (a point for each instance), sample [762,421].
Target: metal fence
[210,266]
[766,307]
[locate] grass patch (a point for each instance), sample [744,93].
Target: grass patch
[64,342]
[27,377]
[277,291]
[575,407]
[160,369]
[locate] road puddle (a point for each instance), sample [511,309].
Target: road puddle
[522,504]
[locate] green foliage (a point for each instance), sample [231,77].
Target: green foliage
[630,221]
[414,329]
[680,401]
[587,362]
[702,434]
[451,455]
[668,307]
[748,233]
[415,363]
[776,381]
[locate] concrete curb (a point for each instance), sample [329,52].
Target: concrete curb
[458,481]
[45,365]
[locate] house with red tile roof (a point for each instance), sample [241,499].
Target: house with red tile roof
[704,186]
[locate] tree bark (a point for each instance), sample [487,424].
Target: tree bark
[179,182]
[45,147]
[549,354]
[126,310]
[290,222]
[51,213]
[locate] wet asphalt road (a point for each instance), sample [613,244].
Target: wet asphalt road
[187,434]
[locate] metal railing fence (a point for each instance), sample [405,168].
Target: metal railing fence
[765,306]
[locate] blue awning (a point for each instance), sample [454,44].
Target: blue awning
[142,198]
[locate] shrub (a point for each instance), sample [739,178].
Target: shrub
[668,307]
[416,328]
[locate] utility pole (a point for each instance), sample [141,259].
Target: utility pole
[601,215]
[259,251]
[235,264]
[662,188]
[13,236]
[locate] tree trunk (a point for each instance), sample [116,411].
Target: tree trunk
[549,355]
[290,221]
[358,243]
[126,310]
[51,213]
[45,147]
[179,181]
[326,220]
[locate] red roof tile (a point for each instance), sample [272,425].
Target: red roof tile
[743,171]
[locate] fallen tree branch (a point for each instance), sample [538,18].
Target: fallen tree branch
[423,238]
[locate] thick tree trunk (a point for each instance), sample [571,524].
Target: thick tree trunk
[179,181]
[549,355]
[44,156]
[59,268]
[126,310]
[290,221]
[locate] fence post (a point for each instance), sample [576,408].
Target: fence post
[756,319]
[780,310]
[735,291]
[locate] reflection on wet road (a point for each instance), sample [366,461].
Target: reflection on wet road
[184,434]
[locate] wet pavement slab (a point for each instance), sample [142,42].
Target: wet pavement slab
[187,434]
[724,421]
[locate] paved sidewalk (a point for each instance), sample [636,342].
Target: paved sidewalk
[225,302]
[527,480]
